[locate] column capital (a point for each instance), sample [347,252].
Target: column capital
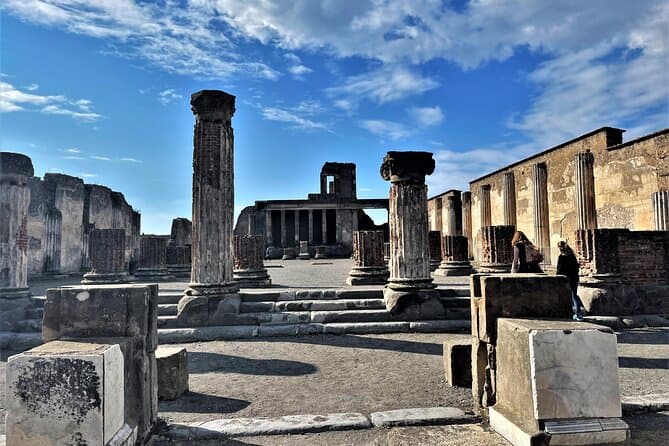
[407,167]
[213,105]
[15,167]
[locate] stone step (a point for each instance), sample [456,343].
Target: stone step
[169,297]
[454,291]
[180,335]
[167,309]
[312,305]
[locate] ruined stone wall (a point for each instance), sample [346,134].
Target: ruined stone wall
[625,177]
[68,194]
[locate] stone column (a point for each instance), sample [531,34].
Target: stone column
[410,283]
[467,222]
[297,227]
[324,223]
[661,210]
[249,268]
[584,175]
[53,221]
[268,227]
[15,170]
[509,198]
[496,249]
[455,257]
[386,253]
[368,265]
[434,248]
[152,265]
[213,195]
[284,232]
[304,250]
[311,226]
[439,223]
[321,252]
[486,213]
[452,213]
[541,223]
[107,254]
[179,247]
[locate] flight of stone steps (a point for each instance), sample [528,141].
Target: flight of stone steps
[27,333]
[265,313]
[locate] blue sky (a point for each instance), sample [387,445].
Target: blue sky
[100,89]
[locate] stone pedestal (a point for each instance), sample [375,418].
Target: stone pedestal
[454,260]
[152,266]
[172,365]
[368,267]
[496,249]
[410,287]
[434,248]
[304,251]
[249,268]
[288,254]
[107,256]
[321,252]
[557,381]
[213,206]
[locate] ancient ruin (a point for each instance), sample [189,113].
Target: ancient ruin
[152,266]
[107,254]
[368,266]
[179,247]
[249,270]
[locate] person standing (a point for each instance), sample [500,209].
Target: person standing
[526,257]
[567,265]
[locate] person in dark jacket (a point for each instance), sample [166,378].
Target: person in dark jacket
[567,265]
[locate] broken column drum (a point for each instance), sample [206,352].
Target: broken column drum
[15,170]
[321,252]
[410,282]
[304,251]
[434,248]
[454,261]
[107,254]
[249,268]
[368,267]
[496,249]
[152,264]
[213,194]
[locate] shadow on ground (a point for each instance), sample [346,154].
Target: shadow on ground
[207,362]
[196,402]
[647,336]
[353,341]
[643,363]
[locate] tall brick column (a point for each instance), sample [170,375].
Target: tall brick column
[586,210]
[152,266]
[467,222]
[661,210]
[212,287]
[107,254]
[496,249]
[509,198]
[434,248]
[368,265]
[249,268]
[455,257]
[410,282]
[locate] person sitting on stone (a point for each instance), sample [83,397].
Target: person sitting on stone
[526,257]
[567,265]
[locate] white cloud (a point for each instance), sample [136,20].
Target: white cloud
[427,116]
[88,175]
[32,87]
[292,117]
[13,100]
[73,157]
[131,160]
[385,129]
[383,85]
[296,68]
[101,158]
[72,150]
[169,95]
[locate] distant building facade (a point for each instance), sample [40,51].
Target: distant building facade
[327,218]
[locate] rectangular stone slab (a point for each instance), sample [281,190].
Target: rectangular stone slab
[65,393]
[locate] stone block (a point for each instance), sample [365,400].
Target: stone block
[516,295]
[65,393]
[458,361]
[172,365]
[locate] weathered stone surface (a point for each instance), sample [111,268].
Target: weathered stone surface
[434,248]
[249,269]
[107,257]
[172,364]
[304,251]
[368,267]
[496,248]
[152,266]
[65,393]
[458,361]
[193,311]
[288,254]
[455,261]
[420,417]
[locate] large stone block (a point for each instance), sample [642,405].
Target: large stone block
[65,393]
[172,364]
[458,361]
[516,295]
[559,378]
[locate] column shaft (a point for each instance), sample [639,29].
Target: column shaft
[324,223]
[661,210]
[368,264]
[268,227]
[284,232]
[586,210]
[107,254]
[249,267]
[509,198]
[467,221]
[541,222]
[311,226]
[486,213]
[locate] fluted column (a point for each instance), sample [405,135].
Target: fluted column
[213,194]
[179,247]
[586,210]
[296,217]
[268,227]
[467,222]
[410,281]
[486,212]
[284,231]
[661,210]
[15,170]
[324,226]
[455,257]
[496,248]
[434,248]
[509,198]
[249,267]
[541,221]
[152,265]
[368,265]
[311,226]
[107,254]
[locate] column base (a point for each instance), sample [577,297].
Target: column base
[494,268]
[179,270]
[153,274]
[368,275]
[452,268]
[14,293]
[412,297]
[252,278]
[208,304]
[105,278]
[288,254]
